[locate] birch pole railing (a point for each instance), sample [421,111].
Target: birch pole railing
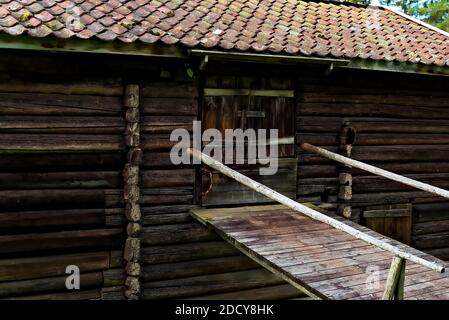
[377,171]
[394,289]
[403,253]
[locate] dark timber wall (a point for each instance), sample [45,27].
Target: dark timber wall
[180,258]
[69,151]
[70,135]
[61,157]
[397,122]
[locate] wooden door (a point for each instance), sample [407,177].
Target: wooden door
[394,221]
[250,109]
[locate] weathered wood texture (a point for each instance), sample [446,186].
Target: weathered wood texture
[400,126]
[178,256]
[324,261]
[61,155]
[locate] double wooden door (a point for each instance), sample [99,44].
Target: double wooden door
[244,108]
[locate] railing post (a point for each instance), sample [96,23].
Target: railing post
[394,288]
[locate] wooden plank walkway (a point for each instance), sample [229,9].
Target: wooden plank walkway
[323,261]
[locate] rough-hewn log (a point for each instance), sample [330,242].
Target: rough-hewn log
[52,218]
[391,99]
[321,139]
[113,277]
[105,87]
[409,167]
[156,142]
[431,241]
[371,124]
[133,229]
[58,105]
[401,153]
[391,197]
[60,240]
[276,292]
[186,252]
[59,143]
[165,124]
[431,211]
[209,284]
[431,227]
[116,259]
[168,106]
[161,90]
[167,271]
[310,158]
[365,184]
[63,295]
[60,124]
[441,253]
[51,199]
[159,196]
[133,212]
[50,266]
[316,171]
[135,156]
[375,139]
[113,293]
[62,162]
[60,180]
[169,218]
[175,233]
[132,134]
[17,288]
[132,249]
[167,178]
[365,110]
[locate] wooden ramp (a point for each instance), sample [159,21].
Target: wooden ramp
[323,261]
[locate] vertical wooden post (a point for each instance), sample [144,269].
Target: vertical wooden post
[131,192]
[394,288]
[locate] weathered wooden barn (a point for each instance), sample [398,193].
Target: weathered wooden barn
[90,91]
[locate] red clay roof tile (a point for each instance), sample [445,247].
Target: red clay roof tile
[295,27]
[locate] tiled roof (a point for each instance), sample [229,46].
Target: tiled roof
[307,28]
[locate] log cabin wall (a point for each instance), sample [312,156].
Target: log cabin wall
[69,153]
[399,123]
[179,257]
[61,157]
[64,151]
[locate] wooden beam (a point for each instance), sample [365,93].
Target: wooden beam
[401,282]
[377,171]
[394,279]
[405,252]
[208,92]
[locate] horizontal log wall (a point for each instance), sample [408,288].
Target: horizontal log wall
[179,257]
[401,125]
[61,155]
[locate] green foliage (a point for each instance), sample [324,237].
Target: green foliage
[435,12]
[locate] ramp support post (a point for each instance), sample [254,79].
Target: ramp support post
[394,288]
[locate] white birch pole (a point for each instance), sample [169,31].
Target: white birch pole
[436,265]
[377,171]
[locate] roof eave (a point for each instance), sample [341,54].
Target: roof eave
[400,67]
[53,44]
[159,50]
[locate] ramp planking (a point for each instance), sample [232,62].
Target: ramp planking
[322,261]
